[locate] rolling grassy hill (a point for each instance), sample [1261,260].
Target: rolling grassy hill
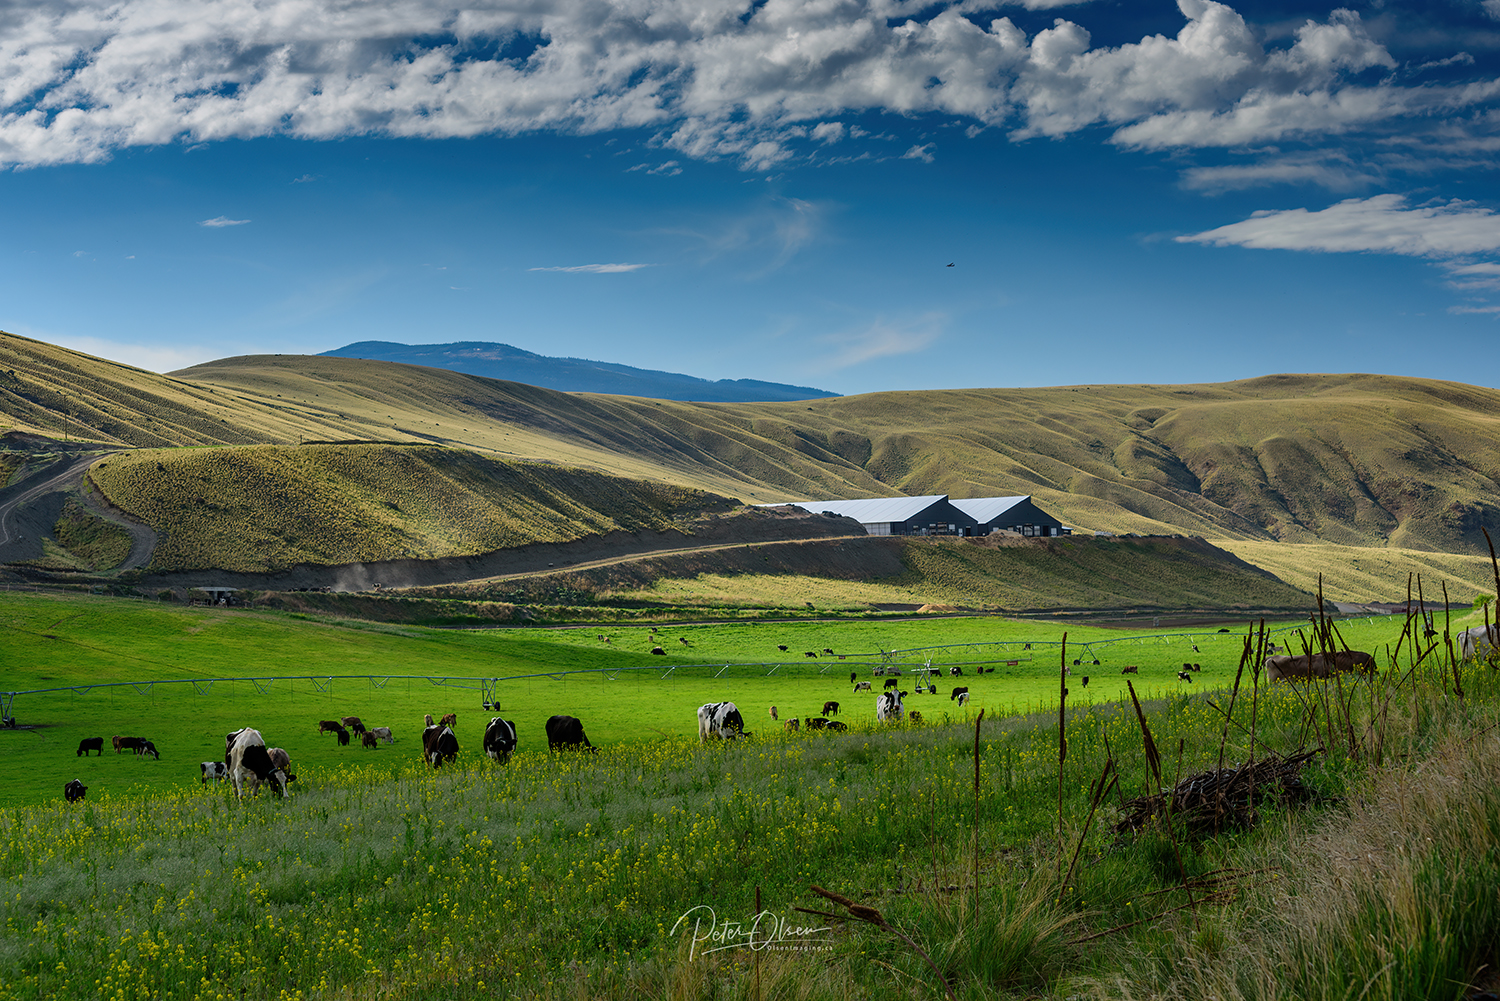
[1296,469]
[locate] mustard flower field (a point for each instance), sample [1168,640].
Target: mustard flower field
[662,868]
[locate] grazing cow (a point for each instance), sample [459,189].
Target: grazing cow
[773,712]
[282,760]
[963,699]
[781,647]
[499,739]
[720,719]
[353,723]
[828,651]
[1284,666]
[1184,676]
[1187,667]
[835,725]
[74,791]
[329,726]
[383,733]
[658,651]
[449,719]
[957,692]
[439,745]
[791,725]
[682,640]
[90,744]
[811,653]
[914,716]
[216,770]
[1085,681]
[861,686]
[1197,667]
[129,744]
[116,741]
[1477,643]
[888,706]
[367,739]
[830,709]
[1130,669]
[853,677]
[146,747]
[814,723]
[343,736]
[892,682]
[566,733]
[249,760]
[955,671]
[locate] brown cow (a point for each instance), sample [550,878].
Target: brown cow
[368,739]
[353,723]
[1130,669]
[1284,666]
[792,725]
[451,719]
[830,709]
[329,726]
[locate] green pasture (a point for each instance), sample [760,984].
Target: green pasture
[139,654]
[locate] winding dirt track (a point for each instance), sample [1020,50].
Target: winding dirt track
[28,510]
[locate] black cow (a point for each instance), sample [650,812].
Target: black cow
[892,682]
[90,744]
[500,739]
[834,724]
[439,745]
[75,790]
[566,733]
[830,709]
[815,722]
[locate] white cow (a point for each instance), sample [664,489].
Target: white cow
[888,706]
[249,759]
[1476,643]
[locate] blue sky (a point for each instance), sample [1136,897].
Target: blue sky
[766,189]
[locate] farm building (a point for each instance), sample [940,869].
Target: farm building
[931,515]
[1015,514]
[935,514]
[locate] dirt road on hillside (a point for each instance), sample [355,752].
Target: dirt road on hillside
[29,510]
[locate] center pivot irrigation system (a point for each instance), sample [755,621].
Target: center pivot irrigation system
[1002,652]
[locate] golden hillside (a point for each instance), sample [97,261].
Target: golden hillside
[1317,460]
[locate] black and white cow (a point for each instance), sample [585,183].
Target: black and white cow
[216,770]
[720,719]
[250,761]
[74,791]
[146,747]
[439,745]
[861,686]
[888,706]
[381,733]
[566,733]
[500,739]
[956,693]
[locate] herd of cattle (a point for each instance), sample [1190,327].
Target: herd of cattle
[249,762]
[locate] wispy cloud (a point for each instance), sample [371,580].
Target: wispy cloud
[923,153]
[1380,224]
[151,357]
[881,339]
[218,222]
[596,269]
[1453,235]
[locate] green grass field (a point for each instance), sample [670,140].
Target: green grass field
[622,692]
[566,877]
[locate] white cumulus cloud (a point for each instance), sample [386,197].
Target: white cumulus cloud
[755,83]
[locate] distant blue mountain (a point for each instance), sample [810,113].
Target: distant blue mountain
[575,375]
